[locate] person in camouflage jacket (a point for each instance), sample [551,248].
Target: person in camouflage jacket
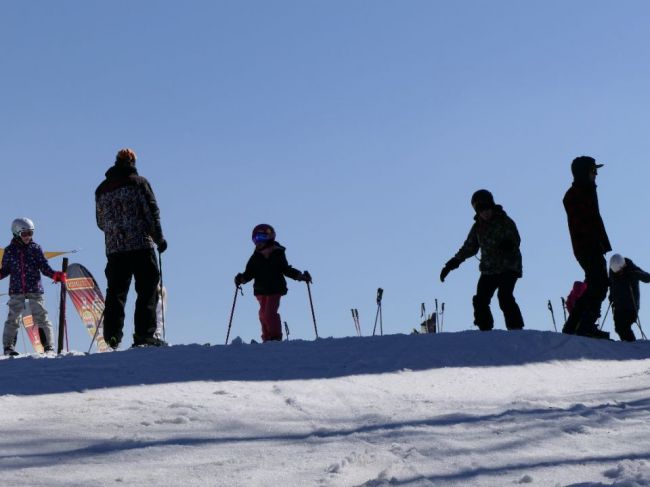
[128,214]
[495,234]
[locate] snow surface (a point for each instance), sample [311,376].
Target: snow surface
[469,408]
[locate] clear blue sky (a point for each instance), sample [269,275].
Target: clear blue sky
[359,129]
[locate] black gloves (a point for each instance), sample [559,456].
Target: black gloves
[162,245]
[304,276]
[451,264]
[239,279]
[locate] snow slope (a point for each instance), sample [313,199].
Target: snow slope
[468,408]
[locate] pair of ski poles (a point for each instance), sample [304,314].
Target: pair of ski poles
[378,316]
[550,308]
[549,305]
[238,290]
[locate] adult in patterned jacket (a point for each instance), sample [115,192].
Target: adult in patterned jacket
[495,234]
[624,295]
[24,261]
[268,265]
[590,244]
[128,214]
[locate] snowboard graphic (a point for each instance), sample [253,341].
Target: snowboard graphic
[88,300]
[32,330]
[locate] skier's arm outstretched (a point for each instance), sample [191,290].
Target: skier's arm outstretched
[469,249]
[642,275]
[292,272]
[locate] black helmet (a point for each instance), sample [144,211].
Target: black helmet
[482,200]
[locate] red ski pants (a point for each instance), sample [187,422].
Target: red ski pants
[269,317]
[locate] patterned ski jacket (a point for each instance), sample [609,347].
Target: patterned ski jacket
[127,211]
[588,235]
[498,240]
[624,287]
[268,267]
[24,264]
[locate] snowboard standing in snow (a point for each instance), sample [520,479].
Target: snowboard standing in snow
[88,301]
[33,332]
[495,234]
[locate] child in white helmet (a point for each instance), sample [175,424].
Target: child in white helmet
[624,295]
[24,261]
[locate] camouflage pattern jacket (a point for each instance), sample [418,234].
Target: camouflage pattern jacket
[127,211]
[498,240]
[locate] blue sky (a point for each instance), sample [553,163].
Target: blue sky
[359,129]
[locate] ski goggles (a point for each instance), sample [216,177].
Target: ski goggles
[27,233]
[261,237]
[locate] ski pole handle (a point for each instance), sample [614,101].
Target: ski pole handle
[380,295]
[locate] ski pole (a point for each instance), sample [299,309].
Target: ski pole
[162,288]
[97,327]
[380,293]
[356,315]
[442,317]
[232,311]
[64,269]
[550,308]
[355,318]
[564,307]
[311,302]
[605,317]
[638,319]
[436,303]
[286,330]
[424,328]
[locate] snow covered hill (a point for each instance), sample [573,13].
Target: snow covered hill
[468,408]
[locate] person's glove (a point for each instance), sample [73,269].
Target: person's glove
[239,279]
[59,277]
[506,245]
[305,276]
[451,264]
[162,245]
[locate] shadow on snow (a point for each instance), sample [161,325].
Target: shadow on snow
[302,360]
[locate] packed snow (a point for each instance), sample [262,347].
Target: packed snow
[454,409]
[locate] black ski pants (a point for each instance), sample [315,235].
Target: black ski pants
[586,311]
[120,269]
[623,321]
[485,289]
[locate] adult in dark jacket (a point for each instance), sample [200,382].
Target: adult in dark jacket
[495,234]
[590,244]
[624,295]
[268,266]
[128,214]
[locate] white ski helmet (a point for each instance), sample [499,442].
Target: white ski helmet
[617,262]
[20,225]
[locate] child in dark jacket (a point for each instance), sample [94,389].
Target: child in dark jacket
[624,277]
[267,266]
[23,261]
